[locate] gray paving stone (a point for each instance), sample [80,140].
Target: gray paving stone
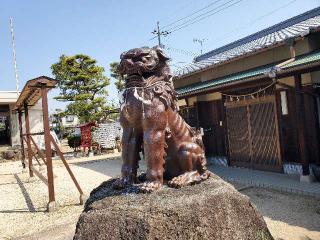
[278,181]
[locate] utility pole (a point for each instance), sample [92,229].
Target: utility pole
[14,56]
[197,40]
[159,33]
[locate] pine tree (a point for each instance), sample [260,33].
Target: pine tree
[82,83]
[117,76]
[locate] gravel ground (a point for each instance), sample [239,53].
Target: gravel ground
[23,203]
[288,216]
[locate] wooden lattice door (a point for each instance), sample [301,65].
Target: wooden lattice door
[253,134]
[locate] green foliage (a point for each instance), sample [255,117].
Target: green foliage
[57,116]
[114,69]
[82,83]
[74,141]
[113,106]
[56,121]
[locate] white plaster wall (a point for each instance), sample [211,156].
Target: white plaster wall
[35,119]
[14,126]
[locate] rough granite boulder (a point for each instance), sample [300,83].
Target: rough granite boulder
[11,154]
[213,209]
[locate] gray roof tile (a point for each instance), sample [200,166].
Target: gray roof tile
[303,60]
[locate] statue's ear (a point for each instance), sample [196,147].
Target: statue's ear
[161,54]
[122,54]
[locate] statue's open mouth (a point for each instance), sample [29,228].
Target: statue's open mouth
[143,75]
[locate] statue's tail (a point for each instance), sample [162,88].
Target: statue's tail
[197,136]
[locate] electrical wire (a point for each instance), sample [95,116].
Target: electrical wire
[180,51]
[205,7]
[203,16]
[178,27]
[252,22]
[234,30]
[178,10]
[170,24]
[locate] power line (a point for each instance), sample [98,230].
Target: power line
[253,21]
[199,18]
[178,10]
[185,24]
[180,51]
[200,15]
[205,7]
[239,28]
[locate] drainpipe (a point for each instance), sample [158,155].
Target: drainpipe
[292,55]
[277,68]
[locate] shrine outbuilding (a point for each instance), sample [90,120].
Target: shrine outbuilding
[9,128]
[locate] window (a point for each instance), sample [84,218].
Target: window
[69,118]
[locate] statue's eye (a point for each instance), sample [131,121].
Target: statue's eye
[146,58]
[136,59]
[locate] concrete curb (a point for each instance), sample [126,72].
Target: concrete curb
[273,187]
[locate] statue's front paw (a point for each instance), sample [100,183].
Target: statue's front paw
[185,179]
[176,182]
[120,183]
[149,187]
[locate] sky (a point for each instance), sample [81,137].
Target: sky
[44,30]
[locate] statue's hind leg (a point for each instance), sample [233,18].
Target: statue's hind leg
[193,163]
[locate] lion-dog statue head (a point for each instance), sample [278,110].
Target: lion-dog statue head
[147,68]
[139,64]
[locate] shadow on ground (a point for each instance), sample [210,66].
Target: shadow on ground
[108,167]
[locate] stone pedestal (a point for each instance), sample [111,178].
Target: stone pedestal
[210,210]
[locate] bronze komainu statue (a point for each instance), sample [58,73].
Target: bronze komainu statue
[173,151]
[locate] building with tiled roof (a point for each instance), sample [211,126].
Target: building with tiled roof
[257,99]
[296,27]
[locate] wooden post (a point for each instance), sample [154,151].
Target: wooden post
[196,107]
[21,139]
[82,196]
[47,139]
[301,125]
[26,117]
[250,135]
